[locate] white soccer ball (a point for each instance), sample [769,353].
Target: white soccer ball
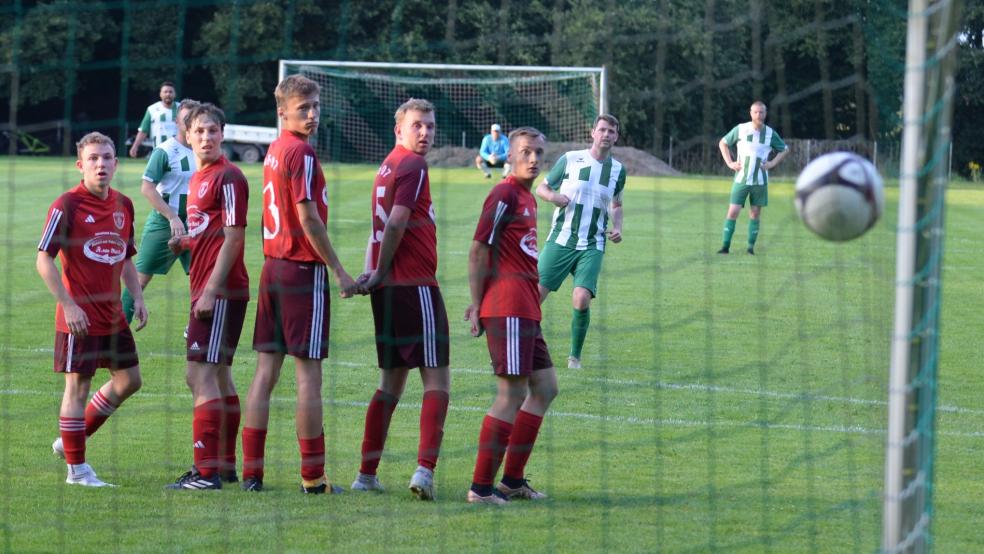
[839,196]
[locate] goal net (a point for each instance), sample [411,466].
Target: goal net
[358,100]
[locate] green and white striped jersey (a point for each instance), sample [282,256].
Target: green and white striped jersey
[159,122]
[170,167]
[754,147]
[592,186]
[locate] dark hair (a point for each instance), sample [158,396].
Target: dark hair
[609,118]
[168,84]
[206,109]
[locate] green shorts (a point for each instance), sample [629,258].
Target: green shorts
[153,255]
[557,262]
[759,194]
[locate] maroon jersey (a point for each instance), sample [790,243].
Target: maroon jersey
[508,226]
[217,198]
[291,175]
[402,181]
[93,237]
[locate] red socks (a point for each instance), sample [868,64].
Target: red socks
[432,416]
[378,417]
[73,439]
[524,432]
[228,432]
[205,432]
[492,441]
[97,411]
[312,457]
[254,442]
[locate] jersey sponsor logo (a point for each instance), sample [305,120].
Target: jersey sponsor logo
[105,248]
[119,219]
[90,219]
[202,189]
[197,221]
[528,244]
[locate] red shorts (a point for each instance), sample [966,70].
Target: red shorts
[85,355]
[411,327]
[293,310]
[516,346]
[214,340]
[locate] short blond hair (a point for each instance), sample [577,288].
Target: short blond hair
[531,132]
[94,137]
[295,85]
[413,104]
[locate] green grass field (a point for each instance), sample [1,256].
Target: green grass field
[729,403]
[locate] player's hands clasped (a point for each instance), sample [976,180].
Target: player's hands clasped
[346,285]
[471,316]
[366,282]
[75,318]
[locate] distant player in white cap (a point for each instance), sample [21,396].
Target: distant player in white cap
[493,152]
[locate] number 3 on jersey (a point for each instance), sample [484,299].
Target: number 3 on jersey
[274,212]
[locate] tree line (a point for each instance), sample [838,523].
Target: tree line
[828,69]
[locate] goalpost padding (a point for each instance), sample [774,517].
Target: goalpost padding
[358,100]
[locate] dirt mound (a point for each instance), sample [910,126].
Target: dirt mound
[637,162]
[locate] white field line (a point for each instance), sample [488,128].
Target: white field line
[597,417]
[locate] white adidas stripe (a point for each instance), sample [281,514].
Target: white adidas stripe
[229,192]
[427,314]
[318,317]
[49,229]
[499,210]
[218,325]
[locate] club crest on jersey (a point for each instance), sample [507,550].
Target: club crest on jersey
[528,244]
[105,248]
[197,221]
[119,219]
[202,189]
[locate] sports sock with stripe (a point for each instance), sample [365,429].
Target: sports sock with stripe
[97,411]
[72,431]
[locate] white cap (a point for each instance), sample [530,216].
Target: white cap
[495,127]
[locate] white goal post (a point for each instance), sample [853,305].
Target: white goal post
[358,100]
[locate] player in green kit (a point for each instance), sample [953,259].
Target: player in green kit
[586,186]
[159,121]
[165,185]
[755,141]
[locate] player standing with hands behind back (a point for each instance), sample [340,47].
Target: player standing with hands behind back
[502,276]
[293,313]
[408,310]
[91,229]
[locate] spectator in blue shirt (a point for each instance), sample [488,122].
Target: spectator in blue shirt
[493,152]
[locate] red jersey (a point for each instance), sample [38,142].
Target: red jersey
[508,226]
[217,198]
[93,237]
[402,180]
[291,175]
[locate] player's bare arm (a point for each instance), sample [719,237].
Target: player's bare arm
[317,236]
[75,318]
[132,283]
[615,213]
[478,263]
[775,160]
[232,248]
[396,225]
[149,190]
[544,191]
[137,141]
[726,154]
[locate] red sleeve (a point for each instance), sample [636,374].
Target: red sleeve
[55,228]
[235,199]
[496,213]
[131,249]
[299,167]
[409,181]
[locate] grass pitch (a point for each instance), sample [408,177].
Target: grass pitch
[728,403]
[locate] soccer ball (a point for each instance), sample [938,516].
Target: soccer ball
[839,196]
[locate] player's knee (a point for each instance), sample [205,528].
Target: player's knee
[131,383]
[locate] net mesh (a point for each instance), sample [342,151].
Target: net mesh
[358,105]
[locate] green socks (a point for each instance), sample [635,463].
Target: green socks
[127,305]
[729,231]
[579,330]
[753,231]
